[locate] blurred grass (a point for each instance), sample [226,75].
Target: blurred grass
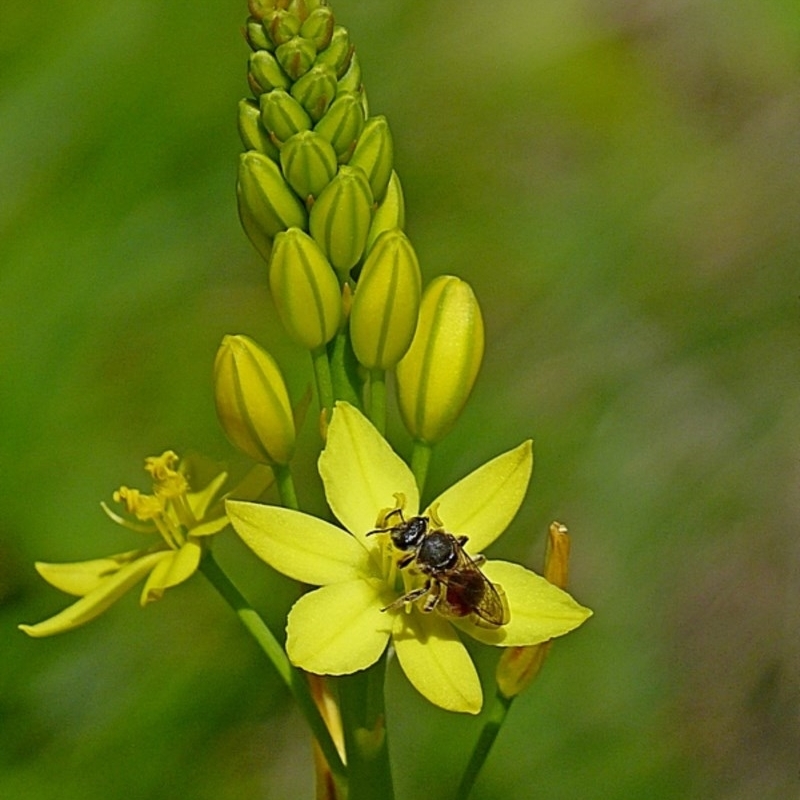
[620,181]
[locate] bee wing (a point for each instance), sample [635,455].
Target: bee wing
[482,601]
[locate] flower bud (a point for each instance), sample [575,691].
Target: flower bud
[350,80]
[316,90]
[304,289]
[436,375]
[267,72]
[391,213]
[374,153]
[338,52]
[342,124]
[267,205]
[318,27]
[308,162]
[341,216]
[386,303]
[252,132]
[296,56]
[252,402]
[256,35]
[281,26]
[282,115]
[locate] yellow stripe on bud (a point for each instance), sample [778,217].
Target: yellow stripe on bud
[386,302]
[308,162]
[342,125]
[304,289]
[436,375]
[374,153]
[340,218]
[252,401]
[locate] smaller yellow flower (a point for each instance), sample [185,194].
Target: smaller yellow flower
[181,517]
[345,625]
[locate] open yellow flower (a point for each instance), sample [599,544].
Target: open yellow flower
[345,625]
[181,517]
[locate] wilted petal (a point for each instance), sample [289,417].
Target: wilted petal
[436,662]
[539,610]
[303,547]
[181,564]
[362,473]
[99,599]
[338,629]
[482,504]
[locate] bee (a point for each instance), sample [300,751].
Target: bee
[454,585]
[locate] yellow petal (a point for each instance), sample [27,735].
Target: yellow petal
[200,501]
[303,547]
[99,599]
[483,504]
[210,527]
[362,473]
[436,662]
[181,564]
[81,577]
[339,629]
[539,610]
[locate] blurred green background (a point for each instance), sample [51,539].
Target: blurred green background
[620,182]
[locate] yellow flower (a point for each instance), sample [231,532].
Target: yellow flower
[181,517]
[346,624]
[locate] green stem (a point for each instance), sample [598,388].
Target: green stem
[420,461]
[494,721]
[291,676]
[377,399]
[322,375]
[283,477]
[361,698]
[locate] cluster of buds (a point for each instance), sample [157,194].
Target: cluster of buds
[321,202]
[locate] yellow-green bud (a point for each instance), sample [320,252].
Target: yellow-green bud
[350,80]
[374,153]
[281,26]
[256,35]
[316,90]
[318,27]
[252,402]
[338,52]
[386,303]
[341,216]
[296,56]
[262,8]
[267,72]
[282,115]
[436,375]
[308,162]
[252,132]
[342,125]
[267,205]
[391,213]
[304,289]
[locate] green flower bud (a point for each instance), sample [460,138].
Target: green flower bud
[252,402]
[391,213]
[296,56]
[350,80]
[338,52]
[256,35]
[267,72]
[262,8]
[281,26]
[304,289]
[341,216]
[315,90]
[386,303]
[374,153]
[308,162]
[342,124]
[267,205]
[318,27]
[282,115]
[436,375]
[252,132]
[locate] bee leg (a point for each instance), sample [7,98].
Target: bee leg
[478,560]
[435,591]
[406,560]
[409,597]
